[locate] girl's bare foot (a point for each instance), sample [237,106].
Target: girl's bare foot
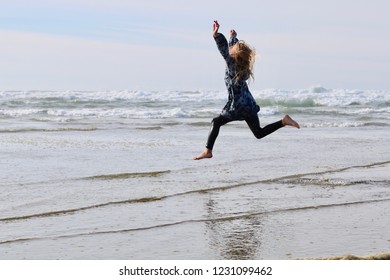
[207,153]
[287,120]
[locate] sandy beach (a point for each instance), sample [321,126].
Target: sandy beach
[127,188]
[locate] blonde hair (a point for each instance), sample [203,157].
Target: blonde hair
[244,56]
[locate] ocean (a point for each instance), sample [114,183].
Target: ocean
[110,175]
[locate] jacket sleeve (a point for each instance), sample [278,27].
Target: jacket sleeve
[222,45]
[233,40]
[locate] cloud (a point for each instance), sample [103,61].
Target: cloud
[167,44]
[39,61]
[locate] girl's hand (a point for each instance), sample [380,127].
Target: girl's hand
[233,33]
[215,28]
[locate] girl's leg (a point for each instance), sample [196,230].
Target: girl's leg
[216,124]
[254,125]
[213,134]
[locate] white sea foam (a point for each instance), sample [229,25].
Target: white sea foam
[334,97]
[70,105]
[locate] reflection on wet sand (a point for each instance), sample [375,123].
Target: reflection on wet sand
[235,238]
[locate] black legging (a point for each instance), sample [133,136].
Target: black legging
[253,123]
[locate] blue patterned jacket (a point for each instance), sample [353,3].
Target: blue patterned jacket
[241,103]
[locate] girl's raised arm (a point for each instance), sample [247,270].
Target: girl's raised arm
[221,41]
[233,38]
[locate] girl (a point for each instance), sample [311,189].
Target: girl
[241,105]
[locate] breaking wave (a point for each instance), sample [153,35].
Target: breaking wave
[65,106]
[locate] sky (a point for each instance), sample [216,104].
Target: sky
[168,45]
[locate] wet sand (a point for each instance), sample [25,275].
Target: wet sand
[83,196]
